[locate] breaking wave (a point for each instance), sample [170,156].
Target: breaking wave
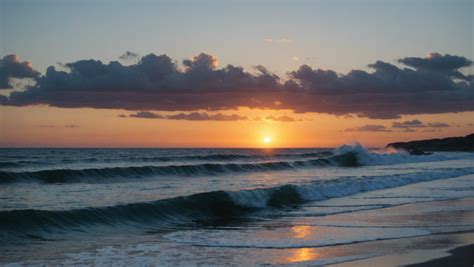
[210,208]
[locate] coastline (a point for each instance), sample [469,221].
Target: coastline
[460,256]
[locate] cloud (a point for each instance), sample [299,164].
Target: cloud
[438,125]
[129,56]
[368,128]
[429,127]
[122,116]
[12,67]
[386,93]
[157,83]
[295,58]
[71,126]
[197,116]
[435,62]
[193,116]
[409,124]
[146,115]
[201,62]
[283,118]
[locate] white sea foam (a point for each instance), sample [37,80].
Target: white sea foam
[386,156]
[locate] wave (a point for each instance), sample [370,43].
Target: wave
[110,158]
[210,208]
[21,163]
[345,156]
[390,157]
[91,175]
[210,157]
[4,165]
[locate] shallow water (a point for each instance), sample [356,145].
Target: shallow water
[99,206]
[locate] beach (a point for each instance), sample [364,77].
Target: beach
[349,206]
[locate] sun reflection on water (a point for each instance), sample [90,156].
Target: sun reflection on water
[301,231]
[303,254]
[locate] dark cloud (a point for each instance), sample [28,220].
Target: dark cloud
[283,118]
[12,67]
[438,125]
[369,128]
[386,93]
[129,56]
[146,115]
[122,116]
[427,85]
[193,116]
[202,116]
[409,124]
[71,126]
[446,64]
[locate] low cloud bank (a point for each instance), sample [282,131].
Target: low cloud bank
[424,85]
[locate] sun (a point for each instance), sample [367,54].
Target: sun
[267,140]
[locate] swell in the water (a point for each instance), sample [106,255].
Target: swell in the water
[346,156]
[231,157]
[210,208]
[95,174]
[223,157]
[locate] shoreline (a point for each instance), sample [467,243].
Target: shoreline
[459,256]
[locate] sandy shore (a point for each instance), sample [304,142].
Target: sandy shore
[452,248]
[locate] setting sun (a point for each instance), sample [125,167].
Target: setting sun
[267,140]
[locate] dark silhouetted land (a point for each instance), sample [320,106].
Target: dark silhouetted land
[465,143]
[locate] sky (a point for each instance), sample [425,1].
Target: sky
[230,73]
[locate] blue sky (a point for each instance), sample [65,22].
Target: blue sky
[338,35]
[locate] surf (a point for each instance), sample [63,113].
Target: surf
[207,208]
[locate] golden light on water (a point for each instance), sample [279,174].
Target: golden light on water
[301,231]
[303,254]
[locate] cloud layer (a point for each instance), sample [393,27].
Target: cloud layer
[193,116]
[433,84]
[204,116]
[369,128]
[405,126]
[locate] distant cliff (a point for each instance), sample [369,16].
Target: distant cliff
[446,144]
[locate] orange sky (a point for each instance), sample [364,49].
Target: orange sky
[46,127]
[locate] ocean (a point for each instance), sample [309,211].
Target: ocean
[229,206]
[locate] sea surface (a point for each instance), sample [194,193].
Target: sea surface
[225,206]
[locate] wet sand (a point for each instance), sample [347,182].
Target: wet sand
[460,257]
[448,247]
